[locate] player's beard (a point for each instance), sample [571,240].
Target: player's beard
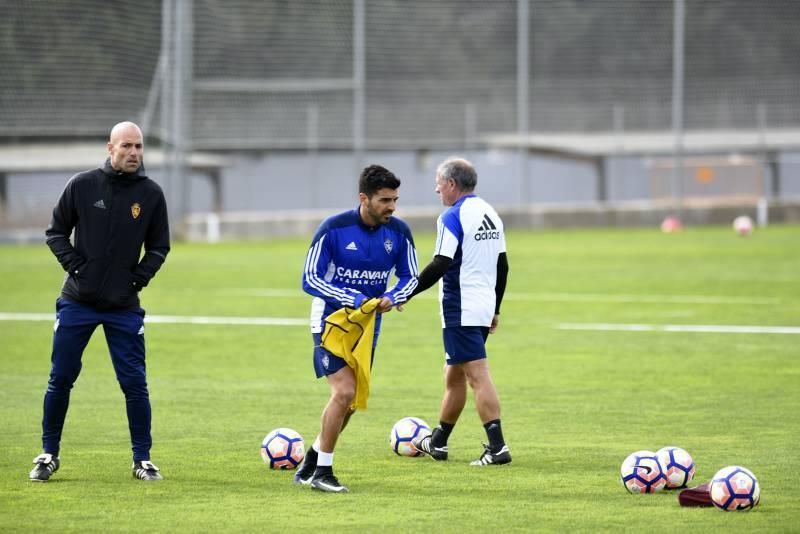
[378,216]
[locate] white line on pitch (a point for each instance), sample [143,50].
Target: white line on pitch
[709,329]
[269,292]
[176,319]
[543,297]
[622,298]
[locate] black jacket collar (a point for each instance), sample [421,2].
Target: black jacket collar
[139,174]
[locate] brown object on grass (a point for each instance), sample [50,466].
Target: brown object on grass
[697,496]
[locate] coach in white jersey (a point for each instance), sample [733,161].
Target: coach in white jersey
[470,259]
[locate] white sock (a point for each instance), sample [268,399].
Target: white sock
[315,445]
[325,459]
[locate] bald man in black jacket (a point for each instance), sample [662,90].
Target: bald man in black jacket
[114,211]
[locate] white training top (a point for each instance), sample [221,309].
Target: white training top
[471,233]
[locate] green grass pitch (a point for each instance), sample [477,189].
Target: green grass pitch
[575,402]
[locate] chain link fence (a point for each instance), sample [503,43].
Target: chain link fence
[428,74]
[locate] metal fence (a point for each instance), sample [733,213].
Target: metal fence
[389,74]
[592,80]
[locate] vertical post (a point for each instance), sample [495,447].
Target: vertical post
[216,190]
[470,125]
[167,77]
[599,163]
[761,118]
[618,118]
[762,208]
[182,103]
[312,128]
[611,166]
[213,227]
[677,103]
[146,118]
[775,172]
[3,198]
[523,75]
[312,146]
[359,80]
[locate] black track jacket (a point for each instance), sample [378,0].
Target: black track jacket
[113,214]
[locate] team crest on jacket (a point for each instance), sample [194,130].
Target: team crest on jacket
[388,246]
[136,209]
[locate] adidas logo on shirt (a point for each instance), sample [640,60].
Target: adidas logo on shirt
[351,246]
[487,230]
[100,204]
[487,224]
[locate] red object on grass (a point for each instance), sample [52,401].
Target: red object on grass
[697,496]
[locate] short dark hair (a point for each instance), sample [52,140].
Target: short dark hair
[376,177]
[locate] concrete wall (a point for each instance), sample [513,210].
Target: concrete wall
[327,181]
[293,223]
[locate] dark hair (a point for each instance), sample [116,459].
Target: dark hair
[376,177]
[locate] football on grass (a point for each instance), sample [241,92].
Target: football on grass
[678,466]
[404,431]
[641,472]
[735,488]
[283,448]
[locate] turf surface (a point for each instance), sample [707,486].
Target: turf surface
[575,402]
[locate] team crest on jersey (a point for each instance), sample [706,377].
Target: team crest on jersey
[388,245]
[136,209]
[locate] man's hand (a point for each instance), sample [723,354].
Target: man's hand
[495,323]
[385,305]
[76,268]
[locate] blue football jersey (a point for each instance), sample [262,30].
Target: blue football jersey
[349,262]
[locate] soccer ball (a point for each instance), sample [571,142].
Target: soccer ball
[641,472]
[678,466]
[743,225]
[735,488]
[283,448]
[671,224]
[404,431]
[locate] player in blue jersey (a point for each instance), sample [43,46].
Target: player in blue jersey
[470,259]
[351,259]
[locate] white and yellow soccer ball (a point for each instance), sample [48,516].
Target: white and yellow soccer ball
[735,488]
[678,466]
[641,472]
[283,448]
[404,431]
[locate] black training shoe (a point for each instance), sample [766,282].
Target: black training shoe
[425,445]
[46,465]
[146,470]
[305,471]
[329,483]
[503,456]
